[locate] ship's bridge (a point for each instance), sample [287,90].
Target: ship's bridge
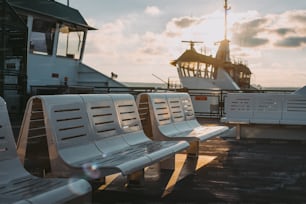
[55,47]
[53,27]
[43,43]
[193,64]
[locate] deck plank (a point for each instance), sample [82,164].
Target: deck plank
[244,171]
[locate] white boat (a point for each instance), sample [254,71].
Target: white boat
[200,71]
[43,45]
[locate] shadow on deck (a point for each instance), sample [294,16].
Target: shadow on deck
[229,171]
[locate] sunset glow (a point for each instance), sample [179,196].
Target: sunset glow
[137,39]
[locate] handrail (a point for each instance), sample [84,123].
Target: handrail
[220,95]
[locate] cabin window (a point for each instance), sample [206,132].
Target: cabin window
[182,67]
[185,72]
[180,72]
[200,73]
[199,70]
[241,75]
[70,42]
[42,37]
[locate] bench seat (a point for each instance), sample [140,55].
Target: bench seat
[36,190]
[19,186]
[170,116]
[95,135]
[117,128]
[266,115]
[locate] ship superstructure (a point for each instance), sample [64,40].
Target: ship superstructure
[200,71]
[43,44]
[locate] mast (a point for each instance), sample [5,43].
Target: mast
[223,53]
[226,8]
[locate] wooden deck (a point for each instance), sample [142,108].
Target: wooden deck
[229,171]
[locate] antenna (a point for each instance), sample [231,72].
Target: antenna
[226,8]
[159,78]
[191,43]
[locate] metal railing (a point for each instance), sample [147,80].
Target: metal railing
[215,109]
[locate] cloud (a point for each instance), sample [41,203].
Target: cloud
[183,28]
[269,30]
[246,33]
[185,22]
[152,11]
[297,16]
[130,47]
[292,42]
[111,42]
[152,45]
[283,31]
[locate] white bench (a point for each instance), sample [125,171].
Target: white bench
[19,186]
[294,110]
[259,108]
[266,115]
[170,116]
[238,108]
[96,135]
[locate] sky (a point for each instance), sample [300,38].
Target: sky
[137,39]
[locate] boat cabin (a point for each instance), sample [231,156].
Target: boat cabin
[43,45]
[198,71]
[193,64]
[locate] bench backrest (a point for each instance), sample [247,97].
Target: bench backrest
[294,109]
[67,117]
[267,108]
[127,113]
[10,164]
[155,105]
[80,127]
[189,110]
[239,107]
[129,119]
[160,108]
[175,107]
[171,113]
[115,121]
[67,129]
[167,108]
[7,143]
[103,118]
[182,112]
[102,115]
[187,107]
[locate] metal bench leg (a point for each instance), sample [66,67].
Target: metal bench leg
[168,164]
[193,150]
[238,132]
[136,179]
[96,183]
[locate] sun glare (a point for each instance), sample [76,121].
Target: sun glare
[209,31]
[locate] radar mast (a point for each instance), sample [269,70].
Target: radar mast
[191,43]
[223,53]
[226,8]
